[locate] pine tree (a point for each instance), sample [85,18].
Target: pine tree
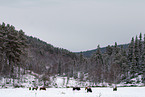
[133,67]
[12,47]
[140,46]
[140,52]
[108,59]
[131,50]
[2,48]
[81,63]
[21,51]
[136,54]
[99,63]
[109,50]
[98,55]
[124,64]
[143,61]
[116,49]
[115,66]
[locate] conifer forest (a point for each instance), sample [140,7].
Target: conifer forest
[113,64]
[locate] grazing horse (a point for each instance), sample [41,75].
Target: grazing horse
[34,88]
[76,88]
[115,88]
[42,88]
[29,88]
[88,89]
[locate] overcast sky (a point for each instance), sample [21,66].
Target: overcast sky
[76,25]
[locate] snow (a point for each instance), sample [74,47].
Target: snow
[67,92]
[137,81]
[62,82]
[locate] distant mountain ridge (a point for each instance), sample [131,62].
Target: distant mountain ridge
[88,53]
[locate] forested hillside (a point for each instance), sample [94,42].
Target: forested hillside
[20,53]
[118,64]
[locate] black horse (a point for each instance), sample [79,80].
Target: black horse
[115,88]
[76,88]
[34,88]
[88,89]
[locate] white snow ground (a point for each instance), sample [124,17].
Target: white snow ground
[67,92]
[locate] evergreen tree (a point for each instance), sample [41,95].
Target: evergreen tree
[131,50]
[140,47]
[115,66]
[143,61]
[140,53]
[124,64]
[98,55]
[81,63]
[133,67]
[12,46]
[109,50]
[116,49]
[100,65]
[2,48]
[11,49]
[136,54]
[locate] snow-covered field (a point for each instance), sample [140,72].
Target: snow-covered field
[67,92]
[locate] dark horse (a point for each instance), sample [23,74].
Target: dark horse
[115,88]
[42,88]
[76,88]
[29,88]
[34,88]
[88,89]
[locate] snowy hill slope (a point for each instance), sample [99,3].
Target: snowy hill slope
[31,79]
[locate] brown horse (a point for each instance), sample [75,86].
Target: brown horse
[42,88]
